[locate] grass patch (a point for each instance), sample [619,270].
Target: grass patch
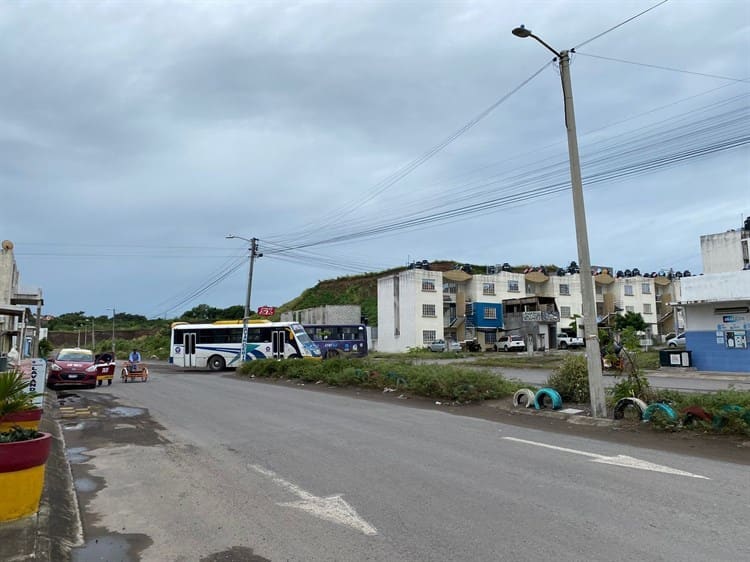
[541,361]
[445,382]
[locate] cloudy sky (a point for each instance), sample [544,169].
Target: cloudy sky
[134,136]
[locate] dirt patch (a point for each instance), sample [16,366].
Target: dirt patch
[235,554]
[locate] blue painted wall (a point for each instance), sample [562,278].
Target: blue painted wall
[711,356]
[479,320]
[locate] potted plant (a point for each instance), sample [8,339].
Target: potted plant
[23,453]
[17,406]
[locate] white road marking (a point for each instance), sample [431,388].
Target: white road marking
[332,508]
[617,460]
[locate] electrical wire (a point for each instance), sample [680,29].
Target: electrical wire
[407,169]
[668,68]
[595,37]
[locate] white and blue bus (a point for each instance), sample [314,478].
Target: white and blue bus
[217,346]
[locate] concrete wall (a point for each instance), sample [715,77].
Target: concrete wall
[326,314]
[708,329]
[722,252]
[733,285]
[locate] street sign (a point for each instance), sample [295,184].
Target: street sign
[266,310]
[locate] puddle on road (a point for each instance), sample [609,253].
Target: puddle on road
[75,455]
[85,485]
[126,412]
[103,548]
[73,426]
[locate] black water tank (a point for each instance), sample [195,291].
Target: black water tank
[747,223]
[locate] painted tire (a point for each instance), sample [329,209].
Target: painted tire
[623,403]
[523,393]
[665,408]
[720,421]
[693,414]
[552,394]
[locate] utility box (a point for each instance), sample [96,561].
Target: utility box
[675,358]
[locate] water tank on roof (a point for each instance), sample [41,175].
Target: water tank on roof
[747,223]
[686,273]
[506,267]
[628,273]
[619,274]
[678,274]
[561,272]
[636,272]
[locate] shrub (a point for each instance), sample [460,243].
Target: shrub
[445,382]
[571,379]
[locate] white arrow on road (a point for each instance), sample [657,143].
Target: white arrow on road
[332,508]
[617,460]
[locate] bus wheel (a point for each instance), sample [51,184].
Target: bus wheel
[295,356]
[216,363]
[332,354]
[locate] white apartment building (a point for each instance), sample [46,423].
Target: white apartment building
[726,251]
[417,306]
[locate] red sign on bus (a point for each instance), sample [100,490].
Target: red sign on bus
[266,310]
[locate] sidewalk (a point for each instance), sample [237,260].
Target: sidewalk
[50,534]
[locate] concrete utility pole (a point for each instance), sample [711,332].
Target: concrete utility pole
[113,332]
[253,254]
[593,352]
[93,338]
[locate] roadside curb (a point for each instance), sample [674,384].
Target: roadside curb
[682,373]
[59,527]
[577,419]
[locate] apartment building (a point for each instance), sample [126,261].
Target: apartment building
[417,306]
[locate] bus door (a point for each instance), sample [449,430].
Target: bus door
[278,343]
[188,343]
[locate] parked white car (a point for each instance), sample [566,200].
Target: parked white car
[510,343]
[678,341]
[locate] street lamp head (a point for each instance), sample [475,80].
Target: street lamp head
[228,236]
[521,31]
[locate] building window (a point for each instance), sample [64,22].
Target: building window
[599,289]
[428,285]
[564,289]
[490,337]
[490,313]
[488,289]
[564,312]
[512,286]
[450,288]
[428,336]
[530,288]
[628,290]
[647,308]
[629,309]
[645,288]
[428,310]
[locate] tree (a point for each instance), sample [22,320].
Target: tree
[630,320]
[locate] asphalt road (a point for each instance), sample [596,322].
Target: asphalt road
[228,469]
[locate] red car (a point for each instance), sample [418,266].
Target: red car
[72,367]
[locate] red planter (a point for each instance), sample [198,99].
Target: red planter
[24,454]
[28,419]
[22,476]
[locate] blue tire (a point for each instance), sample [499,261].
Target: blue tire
[552,394]
[665,408]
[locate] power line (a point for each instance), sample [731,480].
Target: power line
[668,68]
[405,170]
[621,24]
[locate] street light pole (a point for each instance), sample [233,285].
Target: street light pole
[253,254]
[593,352]
[113,333]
